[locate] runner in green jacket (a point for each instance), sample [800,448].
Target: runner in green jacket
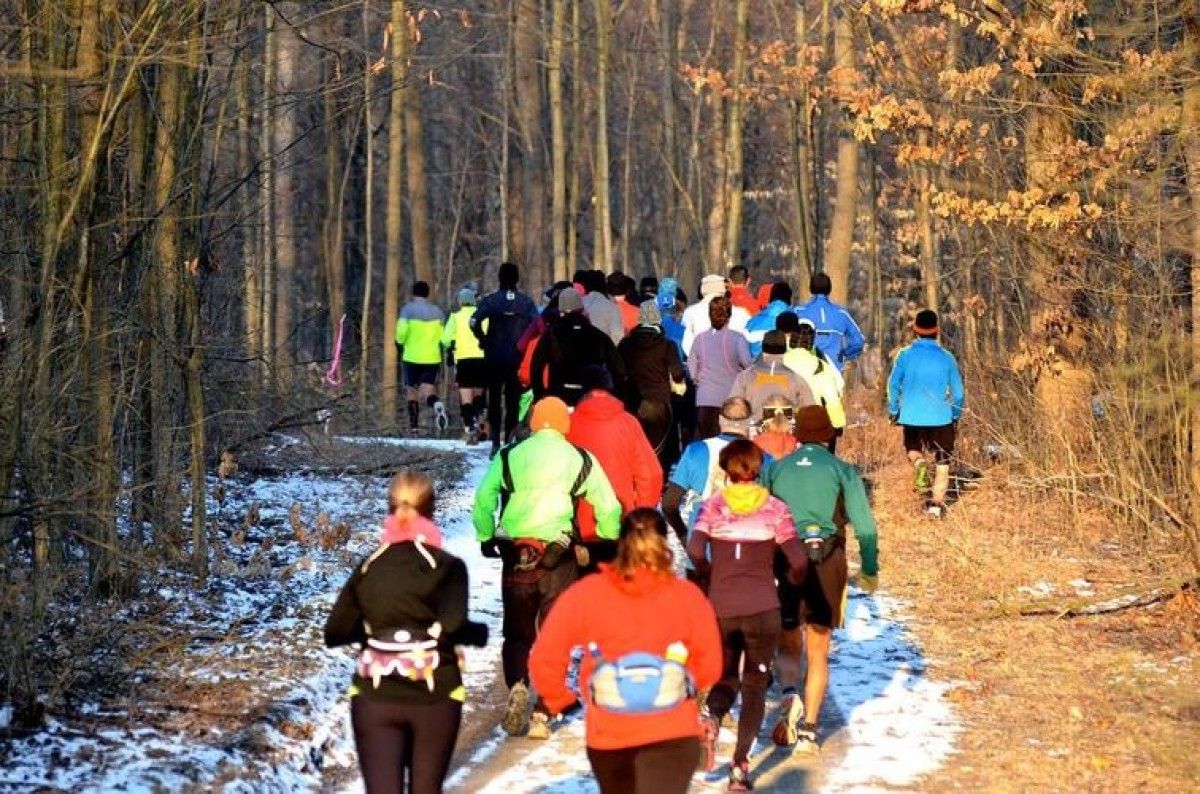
[822,492]
[539,480]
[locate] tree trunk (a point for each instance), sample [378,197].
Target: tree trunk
[284,131]
[558,143]
[1191,147]
[603,243]
[801,161]
[266,202]
[576,137]
[332,228]
[841,226]
[669,68]
[364,339]
[251,245]
[414,150]
[393,267]
[528,225]
[735,154]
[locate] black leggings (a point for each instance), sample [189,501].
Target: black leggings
[527,600]
[659,768]
[395,740]
[753,637]
[504,402]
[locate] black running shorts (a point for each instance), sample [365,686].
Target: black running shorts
[420,374]
[938,439]
[471,373]
[823,593]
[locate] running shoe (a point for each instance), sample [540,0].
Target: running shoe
[806,740]
[922,483]
[739,777]
[710,729]
[791,712]
[516,713]
[539,726]
[472,436]
[934,510]
[440,420]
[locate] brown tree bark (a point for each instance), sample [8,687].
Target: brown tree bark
[558,142]
[414,150]
[284,131]
[602,253]
[735,154]
[841,226]
[393,223]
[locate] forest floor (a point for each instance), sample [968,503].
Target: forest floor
[935,684]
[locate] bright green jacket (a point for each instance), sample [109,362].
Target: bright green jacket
[809,482]
[822,378]
[458,334]
[419,332]
[543,469]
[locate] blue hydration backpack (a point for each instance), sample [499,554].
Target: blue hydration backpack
[639,683]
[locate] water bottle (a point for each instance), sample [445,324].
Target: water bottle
[814,543]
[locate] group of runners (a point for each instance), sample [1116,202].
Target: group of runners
[669,513]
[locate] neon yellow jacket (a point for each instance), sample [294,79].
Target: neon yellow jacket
[822,377]
[458,334]
[419,332]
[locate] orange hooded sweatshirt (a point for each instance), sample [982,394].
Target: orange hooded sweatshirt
[647,612]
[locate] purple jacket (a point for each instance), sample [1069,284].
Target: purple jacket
[715,360]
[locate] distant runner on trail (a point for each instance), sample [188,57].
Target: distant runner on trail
[466,356]
[739,290]
[838,336]
[499,321]
[654,375]
[822,492]
[633,615]
[925,397]
[763,321]
[534,485]
[570,344]
[742,527]
[419,335]
[406,605]
[818,372]
[769,375]
[696,318]
[717,356]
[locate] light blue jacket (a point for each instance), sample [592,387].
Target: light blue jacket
[762,322]
[925,388]
[838,336]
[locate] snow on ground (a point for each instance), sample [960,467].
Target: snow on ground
[258,620]
[885,724]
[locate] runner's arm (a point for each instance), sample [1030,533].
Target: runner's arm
[345,622]
[551,653]
[487,498]
[672,500]
[895,384]
[597,490]
[957,396]
[452,609]
[858,510]
[854,337]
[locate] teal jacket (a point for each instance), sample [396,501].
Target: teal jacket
[543,467]
[809,482]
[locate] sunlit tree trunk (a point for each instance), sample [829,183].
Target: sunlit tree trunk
[603,241]
[332,227]
[841,226]
[414,151]
[735,155]
[393,263]
[528,214]
[266,202]
[558,142]
[364,339]
[284,131]
[799,116]
[1191,139]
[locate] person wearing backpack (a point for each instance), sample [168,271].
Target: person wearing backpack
[769,375]
[499,321]
[406,605]
[650,644]
[740,529]
[823,494]
[534,485]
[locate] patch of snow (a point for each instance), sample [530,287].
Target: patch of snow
[1038,590]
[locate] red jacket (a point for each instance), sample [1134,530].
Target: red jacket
[739,295]
[629,313]
[646,613]
[601,425]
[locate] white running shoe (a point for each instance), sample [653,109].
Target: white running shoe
[791,713]
[440,420]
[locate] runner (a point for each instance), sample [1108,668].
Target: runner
[739,290]
[714,361]
[600,309]
[769,375]
[821,376]
[655,375]
[822,492]
[419,335]
[534,485]
[620,291]
[838,336]
[742,526]
[776,434]
[698,475]
[763,321]
[696,319]
[570,345]
[499,321]
[601,425]
[633,614]
[925,397]
[466,356]
[406,604]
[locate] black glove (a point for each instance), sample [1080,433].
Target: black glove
[894,418]
[471,633]
[490,549]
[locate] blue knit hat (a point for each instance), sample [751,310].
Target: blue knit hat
[666,293]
